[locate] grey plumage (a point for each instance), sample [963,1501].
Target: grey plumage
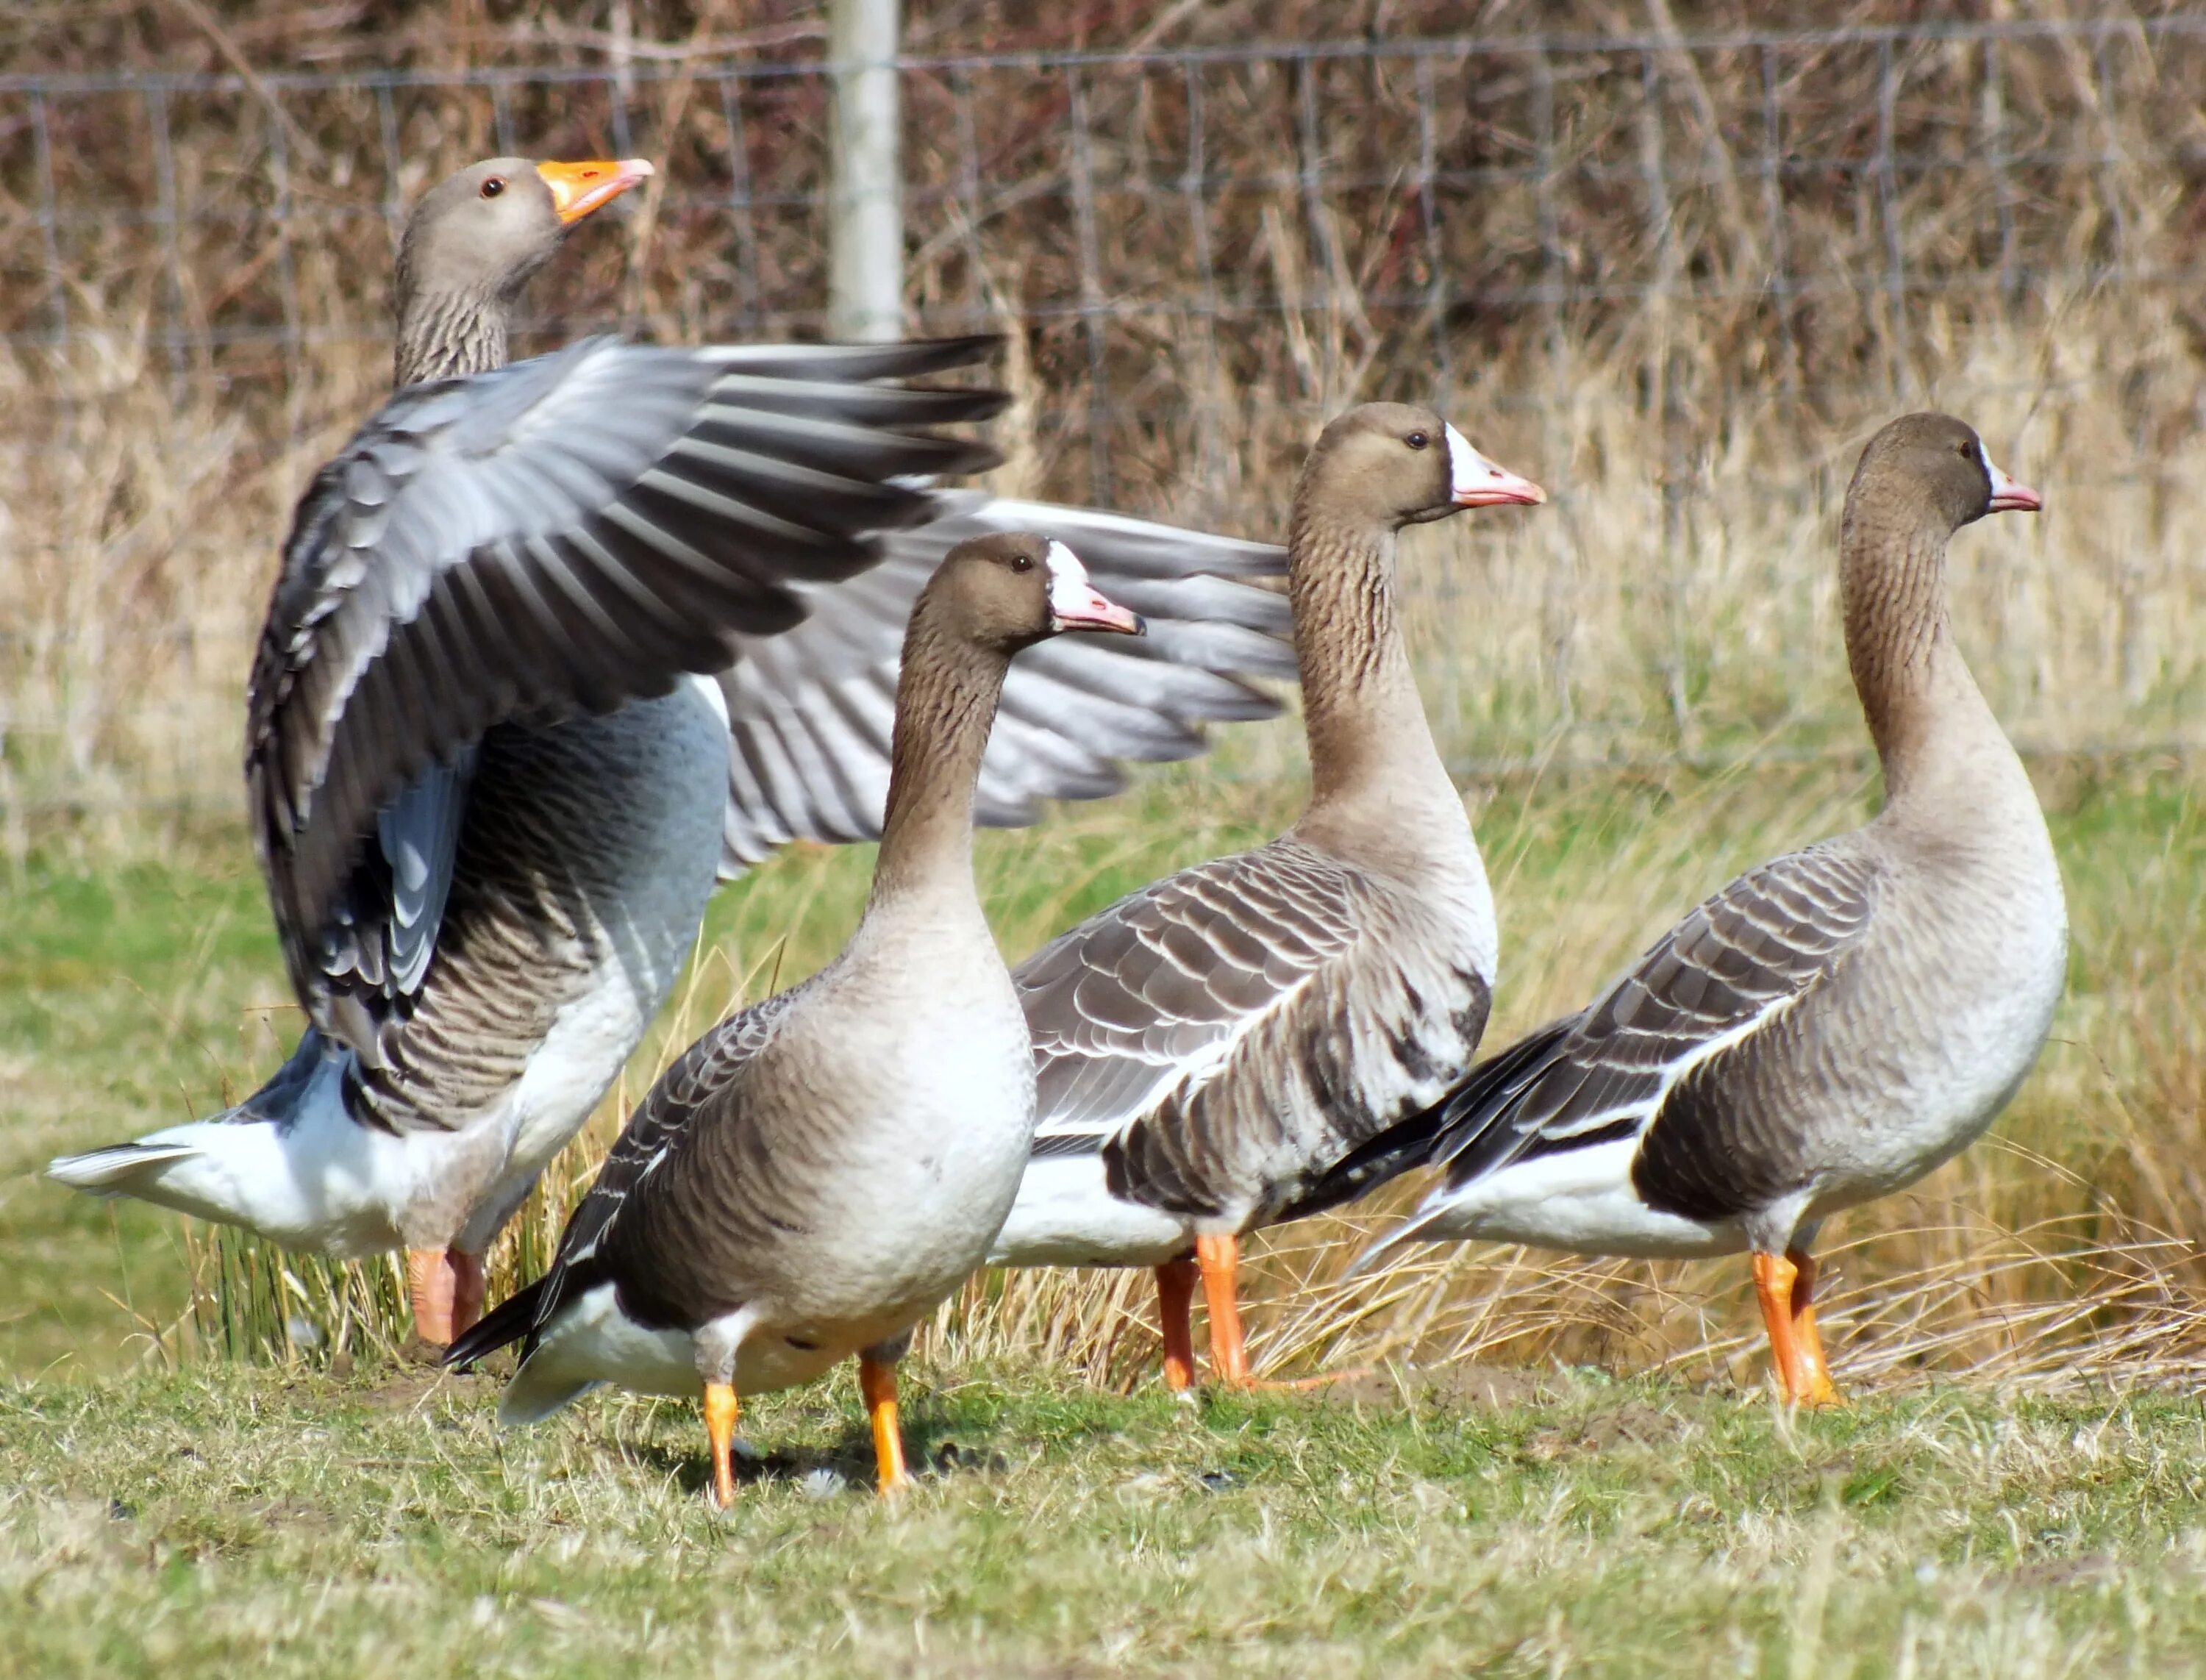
[1211,1047]
[1689,1016]
[551,643]
[819,1170]
[552,538]
[1222,1036]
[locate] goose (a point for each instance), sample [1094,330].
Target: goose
[554,645]
[1208,1048]
[1830,1025]
[821,1169]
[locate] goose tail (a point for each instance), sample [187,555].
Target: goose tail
[118,1168]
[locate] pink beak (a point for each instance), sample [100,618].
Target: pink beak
[2007,496]
[1075,603]
[1477,482]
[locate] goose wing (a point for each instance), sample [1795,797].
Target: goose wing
[1217,1039]
[556,537]
[1698,1009]
[707,1076]
[810,712]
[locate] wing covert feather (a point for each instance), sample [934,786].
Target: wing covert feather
[1737,963]
[559,536]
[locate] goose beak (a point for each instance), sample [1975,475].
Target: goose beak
[1075,603]
[579,189]
[1477,482]
[2007,496]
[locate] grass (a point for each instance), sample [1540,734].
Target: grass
[302,1523]
[2064,1242]
[1578,1471]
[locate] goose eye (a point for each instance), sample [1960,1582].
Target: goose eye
[1022,562]
[493,186]
[1417,440]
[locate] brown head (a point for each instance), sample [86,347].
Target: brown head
[1385,465]
[1921,478]
[1011,589]
[1932,468]
[471,243]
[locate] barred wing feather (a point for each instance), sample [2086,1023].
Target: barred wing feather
[1725,973]
[1151,996]
[556,536]
[810,712]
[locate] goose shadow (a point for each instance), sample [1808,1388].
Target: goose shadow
[933,1450]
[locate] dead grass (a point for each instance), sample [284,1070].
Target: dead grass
[1681,317]
[2014,243]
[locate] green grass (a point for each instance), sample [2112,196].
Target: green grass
[138,991]
[2020,1491]
[224,1519]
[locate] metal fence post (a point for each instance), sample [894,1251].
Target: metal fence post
[865,208]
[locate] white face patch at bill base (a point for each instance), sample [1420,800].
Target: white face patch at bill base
[1475,482]
[1069,592]
[1075,603]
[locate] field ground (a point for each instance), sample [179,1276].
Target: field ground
[1594,1483]
[223,1520]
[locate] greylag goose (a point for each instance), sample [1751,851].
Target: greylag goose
[552,645]
[821,1169]
[1209,1047]
[1829,1027]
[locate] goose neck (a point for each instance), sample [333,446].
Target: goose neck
[1368,736]
[945,705]
[1942,750]
[444,334]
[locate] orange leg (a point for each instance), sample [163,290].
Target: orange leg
[720,1430]
[877,1383]
[1218,1258]
[1784,1284]
[469,1285]
[1175,1291]
[1773,1277]
[431,1281]
[1817,1390]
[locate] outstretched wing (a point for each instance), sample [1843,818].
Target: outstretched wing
[810,712]
[1716,983]
[560,536]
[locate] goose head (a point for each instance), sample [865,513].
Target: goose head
[1937,466]
[1396,464]
[1011,589]
[480,233]
[471,243]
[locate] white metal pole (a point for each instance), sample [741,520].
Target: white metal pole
[865,260]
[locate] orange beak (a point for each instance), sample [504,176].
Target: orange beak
[579,189]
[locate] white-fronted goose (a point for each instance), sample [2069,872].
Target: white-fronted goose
[1829,1027]
[554,643]
[818,1172]
[1209,1047]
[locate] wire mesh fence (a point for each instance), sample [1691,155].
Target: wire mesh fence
[1675,275]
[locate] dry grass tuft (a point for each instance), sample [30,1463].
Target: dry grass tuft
[1678,278]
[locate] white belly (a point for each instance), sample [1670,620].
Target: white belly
[1065,1215]
[1578,1199]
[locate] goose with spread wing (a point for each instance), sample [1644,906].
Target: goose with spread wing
[1829,1027]
[821,1171]
[1210,1047]
[555,644]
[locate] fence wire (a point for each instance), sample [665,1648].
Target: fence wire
[1752,242]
